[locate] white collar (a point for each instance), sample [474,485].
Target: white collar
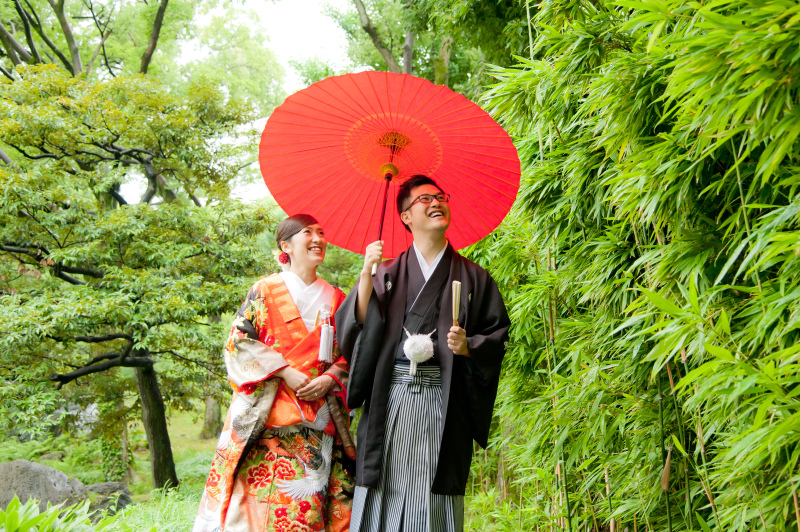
[428,269]
[308,298]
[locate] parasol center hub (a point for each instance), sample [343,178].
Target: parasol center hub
[394,140]
[377,140]
[389,171]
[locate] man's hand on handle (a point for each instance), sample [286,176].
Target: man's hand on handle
[372,257]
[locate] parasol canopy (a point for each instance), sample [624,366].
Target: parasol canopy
[331,149]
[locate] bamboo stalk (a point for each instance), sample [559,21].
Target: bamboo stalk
[796,507]
[663,452]
[566,491]
[612,522]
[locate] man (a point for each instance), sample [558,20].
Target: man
[415,434]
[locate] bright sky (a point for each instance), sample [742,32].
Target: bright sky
[299,29]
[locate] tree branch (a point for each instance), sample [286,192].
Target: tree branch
[116,195]
[3,155]
[366,23]
[7,74]
[74,50]
[28,33]
[206,366]
[16,52]
[133,362]
[101,46]
[103,36]
[97,274]
[151,45]
[99,339]
[37,25]
[408,53]
[68,278]
[38,255]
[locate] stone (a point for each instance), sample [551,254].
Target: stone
[112,504]
[56,455]
[109,488]
[28,480]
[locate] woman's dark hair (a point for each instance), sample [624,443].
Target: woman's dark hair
[404,194]
[292,225]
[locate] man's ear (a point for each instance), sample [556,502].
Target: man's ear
[405,217]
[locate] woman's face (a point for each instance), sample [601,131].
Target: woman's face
[306,248]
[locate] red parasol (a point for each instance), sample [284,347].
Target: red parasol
[330,149]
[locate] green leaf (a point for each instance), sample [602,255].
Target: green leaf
[719,352]
[655,32]
[661,303]
[678,445]
[702,522]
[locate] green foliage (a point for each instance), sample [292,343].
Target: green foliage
[497,28]
[90,278]
[28,408]
[167,511]
[238,61]
[26,517]
[392,19]
[313,70]
[650,266]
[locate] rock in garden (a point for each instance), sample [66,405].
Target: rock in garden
[109,488]
[57,455]
[28,480]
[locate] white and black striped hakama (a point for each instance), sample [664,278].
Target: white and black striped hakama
[403,501]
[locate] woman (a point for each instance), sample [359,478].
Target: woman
[279,460]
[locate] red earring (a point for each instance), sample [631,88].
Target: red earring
[283,258]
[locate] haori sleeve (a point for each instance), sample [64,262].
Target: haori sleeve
[248,360]
[487,337]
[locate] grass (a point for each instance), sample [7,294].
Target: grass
[174,510]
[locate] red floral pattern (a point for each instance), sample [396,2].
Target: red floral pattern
[284,470]
[258,477]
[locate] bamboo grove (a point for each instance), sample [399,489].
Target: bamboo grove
[651,269]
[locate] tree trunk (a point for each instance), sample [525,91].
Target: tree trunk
[154,418]
[151,45]
[212,424]
[408,53]
[366,23]
[441,65]
[66,29]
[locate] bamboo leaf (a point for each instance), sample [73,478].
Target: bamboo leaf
[719,352]
[661,303]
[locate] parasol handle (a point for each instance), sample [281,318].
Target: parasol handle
[388,178]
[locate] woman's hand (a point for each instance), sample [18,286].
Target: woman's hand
[372,255]
[316,388]
[294,379]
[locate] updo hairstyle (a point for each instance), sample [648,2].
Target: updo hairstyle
[291,226]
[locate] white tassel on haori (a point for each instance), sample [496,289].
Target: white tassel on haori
[325,335]
[418,348]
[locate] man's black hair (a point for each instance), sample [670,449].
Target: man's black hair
[404,194]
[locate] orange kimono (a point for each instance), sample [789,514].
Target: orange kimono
[281,464]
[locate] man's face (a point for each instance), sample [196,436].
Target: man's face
[433,216]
